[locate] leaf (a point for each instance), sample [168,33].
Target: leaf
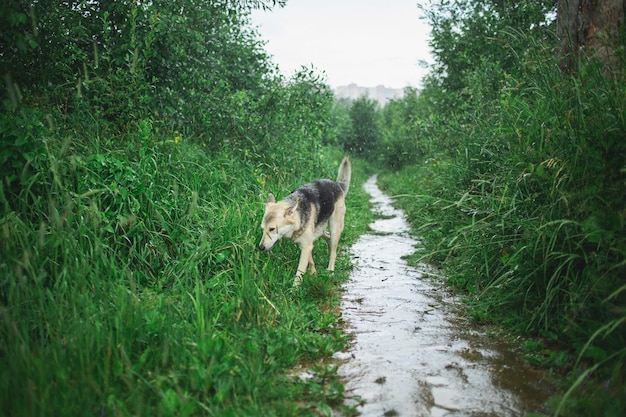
[170,402]
[222,256]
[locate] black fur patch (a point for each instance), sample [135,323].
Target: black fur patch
[320,193]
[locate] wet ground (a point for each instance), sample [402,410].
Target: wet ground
[414,353]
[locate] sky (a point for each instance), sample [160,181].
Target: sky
[367,42]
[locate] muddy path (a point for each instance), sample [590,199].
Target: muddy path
[413,352]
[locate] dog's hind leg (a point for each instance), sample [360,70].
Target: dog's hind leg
[335,224]
[329,241]
[332,252]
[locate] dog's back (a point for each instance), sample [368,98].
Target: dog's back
[317,196]
[322,195]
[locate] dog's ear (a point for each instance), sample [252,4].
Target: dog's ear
[292,209]
[270,198]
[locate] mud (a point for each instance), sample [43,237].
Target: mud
[414,353]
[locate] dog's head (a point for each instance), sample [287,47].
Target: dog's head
[278,221]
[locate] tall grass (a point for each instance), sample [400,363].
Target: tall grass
[526,213]
[131,284]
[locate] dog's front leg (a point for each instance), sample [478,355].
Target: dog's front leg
[306,259]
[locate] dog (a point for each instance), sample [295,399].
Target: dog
[303,215]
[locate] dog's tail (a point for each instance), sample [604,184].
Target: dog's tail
[345,172]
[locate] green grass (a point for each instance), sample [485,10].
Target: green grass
[526,217]
[131,284]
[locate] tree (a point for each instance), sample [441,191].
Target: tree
[340,122]
[591,25]
[402,121]
[365,130]
[126,61]
[469,35]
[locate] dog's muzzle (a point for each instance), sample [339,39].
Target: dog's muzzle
[267,242]
[266,246]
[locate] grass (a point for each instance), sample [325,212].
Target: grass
[526,216]
[132,285]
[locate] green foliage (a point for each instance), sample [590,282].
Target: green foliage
[519,194]
[138,142]
[465,35]
[124,61]
[364,136]
[23,155]
[133,285]
[290,120]
[402,128]
[340,122]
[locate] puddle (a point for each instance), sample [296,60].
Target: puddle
[413,351]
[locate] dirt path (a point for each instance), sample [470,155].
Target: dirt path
[414,353]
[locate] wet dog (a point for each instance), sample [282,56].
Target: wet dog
[303,215]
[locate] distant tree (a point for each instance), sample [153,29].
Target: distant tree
[365,128]
[402,123]
[340,122]
[591,25]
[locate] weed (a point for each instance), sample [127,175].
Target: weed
[134,164]
[526,216]
[134,286]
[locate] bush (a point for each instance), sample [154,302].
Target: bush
[137,147]
[524,208]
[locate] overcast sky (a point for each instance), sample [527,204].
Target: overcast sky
[367,42]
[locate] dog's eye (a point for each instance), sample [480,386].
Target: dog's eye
[271,229]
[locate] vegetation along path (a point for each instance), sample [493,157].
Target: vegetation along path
[413,352]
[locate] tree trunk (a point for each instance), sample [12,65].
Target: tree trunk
[589,25]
